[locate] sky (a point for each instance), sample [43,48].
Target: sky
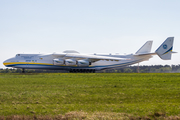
[88,26]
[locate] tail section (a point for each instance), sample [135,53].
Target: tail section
[146,48]
[165,49]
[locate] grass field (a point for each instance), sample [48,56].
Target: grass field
[96,94]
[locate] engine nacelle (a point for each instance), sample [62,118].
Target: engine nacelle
[83,63]
[70,62]
[58,61]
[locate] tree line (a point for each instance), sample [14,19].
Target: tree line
[146,69]
[129,69]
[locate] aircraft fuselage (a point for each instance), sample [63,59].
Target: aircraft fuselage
[39,61]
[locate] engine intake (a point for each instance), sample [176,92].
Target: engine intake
[58,62]
[83,63]
[70,62]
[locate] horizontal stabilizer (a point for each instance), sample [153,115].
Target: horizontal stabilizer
[145,54]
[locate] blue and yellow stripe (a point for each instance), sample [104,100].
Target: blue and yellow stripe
[168,51]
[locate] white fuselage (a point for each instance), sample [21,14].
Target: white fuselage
[40,61]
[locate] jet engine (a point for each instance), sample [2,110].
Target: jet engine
[70,62]
[58,61]
[83,63]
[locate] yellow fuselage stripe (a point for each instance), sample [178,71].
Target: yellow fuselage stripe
[31,63]
[11,63]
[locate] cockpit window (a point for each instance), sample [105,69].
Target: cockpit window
[18,55]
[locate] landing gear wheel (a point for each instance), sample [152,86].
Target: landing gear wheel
[23,70]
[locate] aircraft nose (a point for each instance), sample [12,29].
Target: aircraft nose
[6,61]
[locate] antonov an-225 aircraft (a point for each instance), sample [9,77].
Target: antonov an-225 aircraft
[75,62]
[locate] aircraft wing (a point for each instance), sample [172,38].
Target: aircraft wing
[92,58]
[58,55]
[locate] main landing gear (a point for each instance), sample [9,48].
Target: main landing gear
[82,70]
[23,70]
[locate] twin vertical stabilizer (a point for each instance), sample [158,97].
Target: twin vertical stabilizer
[146,48]
[165,49]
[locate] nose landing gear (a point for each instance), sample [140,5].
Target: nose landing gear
[23,70]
